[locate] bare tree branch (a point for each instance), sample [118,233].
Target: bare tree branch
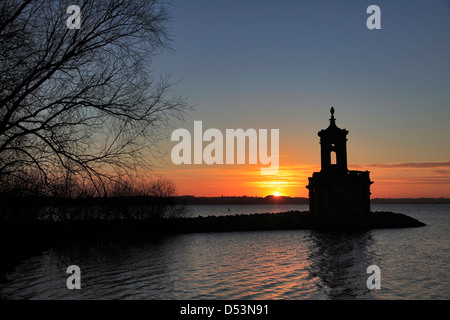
[83,102]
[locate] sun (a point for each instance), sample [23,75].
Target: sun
[276,194]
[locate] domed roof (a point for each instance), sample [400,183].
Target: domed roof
[332,129]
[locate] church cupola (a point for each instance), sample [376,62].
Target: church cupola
[333,144]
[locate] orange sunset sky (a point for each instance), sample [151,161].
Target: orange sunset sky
[391,180]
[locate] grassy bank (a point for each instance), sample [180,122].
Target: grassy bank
[46,230]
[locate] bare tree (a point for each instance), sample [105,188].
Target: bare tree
[82,102]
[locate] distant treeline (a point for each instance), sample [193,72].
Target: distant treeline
[145,200]
[410,201]
[192,200]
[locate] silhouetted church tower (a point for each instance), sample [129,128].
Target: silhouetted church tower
[335,190]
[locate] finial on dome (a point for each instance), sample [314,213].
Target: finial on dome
[332,120]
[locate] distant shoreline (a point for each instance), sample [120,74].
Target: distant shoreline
[40,201]
[192,200]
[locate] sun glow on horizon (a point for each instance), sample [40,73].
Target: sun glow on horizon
[392,180]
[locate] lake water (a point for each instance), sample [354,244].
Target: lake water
[294,264]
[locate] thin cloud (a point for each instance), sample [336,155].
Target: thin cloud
[411,165]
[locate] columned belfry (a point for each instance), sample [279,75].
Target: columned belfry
[333,147]
[335,190]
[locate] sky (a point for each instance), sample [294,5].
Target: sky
[282,65]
